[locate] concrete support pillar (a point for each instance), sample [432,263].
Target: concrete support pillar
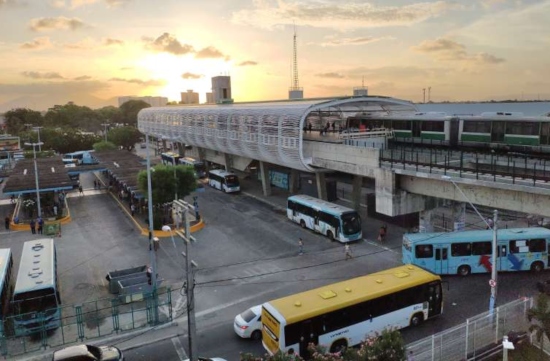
[164,145]
[293,181]
[227,161]
[266,182]
[425,224]
[356,192]
[459,216]
[321,186]
[181,149]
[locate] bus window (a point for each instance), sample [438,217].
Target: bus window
[424,251]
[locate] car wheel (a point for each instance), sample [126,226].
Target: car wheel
[256,335]
[464,271]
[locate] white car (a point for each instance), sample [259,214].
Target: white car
[249,324]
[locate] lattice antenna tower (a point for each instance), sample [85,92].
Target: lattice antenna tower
[295,83]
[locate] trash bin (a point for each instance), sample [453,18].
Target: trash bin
[133,289]
[115,276]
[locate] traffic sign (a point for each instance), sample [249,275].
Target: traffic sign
[492,283]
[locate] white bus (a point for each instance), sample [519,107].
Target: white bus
[36,300]
[337,222]
[225,181]
[344,314]
[198,166]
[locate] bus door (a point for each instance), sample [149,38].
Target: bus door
[316,226]
[307,336]
[434,299]
[502,261]
[441,259]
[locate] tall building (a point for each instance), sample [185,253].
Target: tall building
[209,98]
[221,89]
[152,101]
[190,97]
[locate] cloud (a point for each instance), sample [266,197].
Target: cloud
[209,52]
[7,3]
[334,41]
[330,75]
[168,44]
[114,3]
[111,41]
[61,22]
[58,4]
[449,50]
[247,63]
[41,75]
[37,44]
[490,3]
[126,68]
[191,76]
[43,88]
[270,14]
[83,77]
[150,82]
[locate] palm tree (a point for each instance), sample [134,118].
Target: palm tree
[541,314]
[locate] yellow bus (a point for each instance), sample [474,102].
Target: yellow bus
[345,313]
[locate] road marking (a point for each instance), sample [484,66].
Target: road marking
[179,348]
[377,244]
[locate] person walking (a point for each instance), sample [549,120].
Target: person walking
[80,190]
[33,226]
[40,223]
[382,233]
[347,251]
[132,209]
[301,246]
[95,184]
[410,357]
[7,223]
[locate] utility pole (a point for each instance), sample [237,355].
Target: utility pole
[190,284]
[105,131]
[493,282]
[39,142]
[429,94]
[423,95]
[152,252]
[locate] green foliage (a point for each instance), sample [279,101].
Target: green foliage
[541,314]
[17,118]
[386,346]
[126,137]
[73,116]
[129,111]
[103,146]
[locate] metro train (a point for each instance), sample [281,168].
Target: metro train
[499,131]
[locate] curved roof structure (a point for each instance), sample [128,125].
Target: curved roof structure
[267,131]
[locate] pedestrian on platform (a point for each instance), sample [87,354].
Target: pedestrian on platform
[301,246]
[382,233]
[7,223]
[133,209]
[80,190]
[33,226]
[40,223]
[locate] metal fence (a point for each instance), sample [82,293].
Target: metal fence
[91,320]
[475,336]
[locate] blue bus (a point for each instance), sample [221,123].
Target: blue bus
[198,166]
[462,253]
[337,222]
[170,158]
[79,158]
[36,301]
[6,286]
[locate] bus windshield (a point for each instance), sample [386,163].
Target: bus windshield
[351,223]
[36,301]
[232,181]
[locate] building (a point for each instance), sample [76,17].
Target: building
[152,101]
[190,97]
[221,89]
[360,91]
[209,98]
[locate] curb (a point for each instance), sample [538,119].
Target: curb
[273,205]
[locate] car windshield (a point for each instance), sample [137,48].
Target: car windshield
[351,223]
[248,315]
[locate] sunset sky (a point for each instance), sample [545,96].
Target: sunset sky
[91,51]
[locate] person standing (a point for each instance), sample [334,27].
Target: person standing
[7,223]
[33,226]
[80,190]
[301,246]
[133,209]
[347,251]
[410,357]
[382,233]
[40,222]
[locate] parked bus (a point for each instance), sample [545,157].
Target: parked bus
[36,300]
[198,166]
[225,181]
[170,158]
[332,220]
[345,313]
[462,253]
[6,286]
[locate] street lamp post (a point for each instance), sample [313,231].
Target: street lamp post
[36,176]
[105,131]
[152,255]
[493,281]
[39,142]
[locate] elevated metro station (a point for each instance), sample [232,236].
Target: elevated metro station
[356,136]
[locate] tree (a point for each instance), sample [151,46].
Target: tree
[103,146]
[125,137]
[17,118]
[165,181]
[130,109]
[541,314]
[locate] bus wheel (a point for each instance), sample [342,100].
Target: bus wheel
[417,319]
[302,223]
[330,236]
[464,271]
[537,267]
[256,335]
[338,346]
